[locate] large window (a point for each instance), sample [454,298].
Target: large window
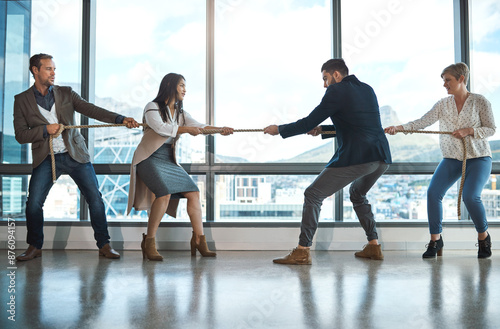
[268,56]
[247,64]
[132,58]
[400,49]
[30,27]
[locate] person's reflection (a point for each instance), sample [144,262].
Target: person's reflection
[365,316]
[435,304]
[202,289]
[339,297]
[475,296]
[308,301]
[32,311]
[156,306]
[92,290]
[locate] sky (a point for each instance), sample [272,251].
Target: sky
[267,56]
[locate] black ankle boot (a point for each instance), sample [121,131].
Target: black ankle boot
[484,247]
[434,248]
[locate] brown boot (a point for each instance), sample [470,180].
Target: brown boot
[296,257]
[108,252]
[148,246]
[202,247]
[372,251]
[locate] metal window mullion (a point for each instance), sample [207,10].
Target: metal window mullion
[87,78]
[462,54]
[337,53]
[210,114]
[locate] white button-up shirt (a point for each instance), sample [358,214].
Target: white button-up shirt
[168,129]
[51,116]
[476,113]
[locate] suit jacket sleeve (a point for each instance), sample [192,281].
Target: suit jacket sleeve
[324,110]
[92,111]
[23,132]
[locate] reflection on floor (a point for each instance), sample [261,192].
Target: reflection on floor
[77,289]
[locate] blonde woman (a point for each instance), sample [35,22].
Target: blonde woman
[466,115]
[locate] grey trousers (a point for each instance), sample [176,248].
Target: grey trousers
[331,180]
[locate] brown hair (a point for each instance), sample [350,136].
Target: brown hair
[457,70]
[35,61]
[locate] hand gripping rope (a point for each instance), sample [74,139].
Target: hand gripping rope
[217,131]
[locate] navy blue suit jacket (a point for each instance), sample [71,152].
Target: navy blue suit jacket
[353,108]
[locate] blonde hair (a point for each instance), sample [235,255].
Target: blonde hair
[457,70]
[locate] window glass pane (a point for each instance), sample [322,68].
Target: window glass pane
[485,54]
[131,60]
[56,29]
[13,197]
[37,26]
[31,27]
[404,198]
[114,189]
[275,198]
[400,49]
[14,76]
[268,56]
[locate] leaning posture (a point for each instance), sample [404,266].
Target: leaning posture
[157,181]
[468,116]
[38,113]
[362,157]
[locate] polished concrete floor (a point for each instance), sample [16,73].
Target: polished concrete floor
[236,290]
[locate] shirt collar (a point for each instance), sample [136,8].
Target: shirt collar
[39,93]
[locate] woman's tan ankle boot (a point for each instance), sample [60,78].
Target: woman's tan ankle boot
[201,246]
[148,247]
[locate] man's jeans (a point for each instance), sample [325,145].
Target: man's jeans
[40,184]
[333,179]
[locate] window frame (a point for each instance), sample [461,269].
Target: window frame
[210,169]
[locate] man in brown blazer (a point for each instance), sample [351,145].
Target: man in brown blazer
[38,113]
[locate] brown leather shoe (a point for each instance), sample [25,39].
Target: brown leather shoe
[371,251]
[296,257]
[108,252]
[29,254]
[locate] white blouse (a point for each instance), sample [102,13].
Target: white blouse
[168,129]
[476,113]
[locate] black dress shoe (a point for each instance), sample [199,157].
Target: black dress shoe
[108,252]
[484,247]
[30,253]
[434,248]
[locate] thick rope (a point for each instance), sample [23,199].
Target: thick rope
[62,128]
[464,160]
[217,131]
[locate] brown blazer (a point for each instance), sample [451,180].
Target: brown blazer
[29,122]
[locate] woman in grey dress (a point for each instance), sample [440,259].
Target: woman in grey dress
[157,181]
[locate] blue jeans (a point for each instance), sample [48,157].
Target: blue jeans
[333,179]
[447,173]
[40,184]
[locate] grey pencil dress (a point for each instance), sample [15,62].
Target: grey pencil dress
[160,172]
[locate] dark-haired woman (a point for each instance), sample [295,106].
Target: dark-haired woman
[157,181]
